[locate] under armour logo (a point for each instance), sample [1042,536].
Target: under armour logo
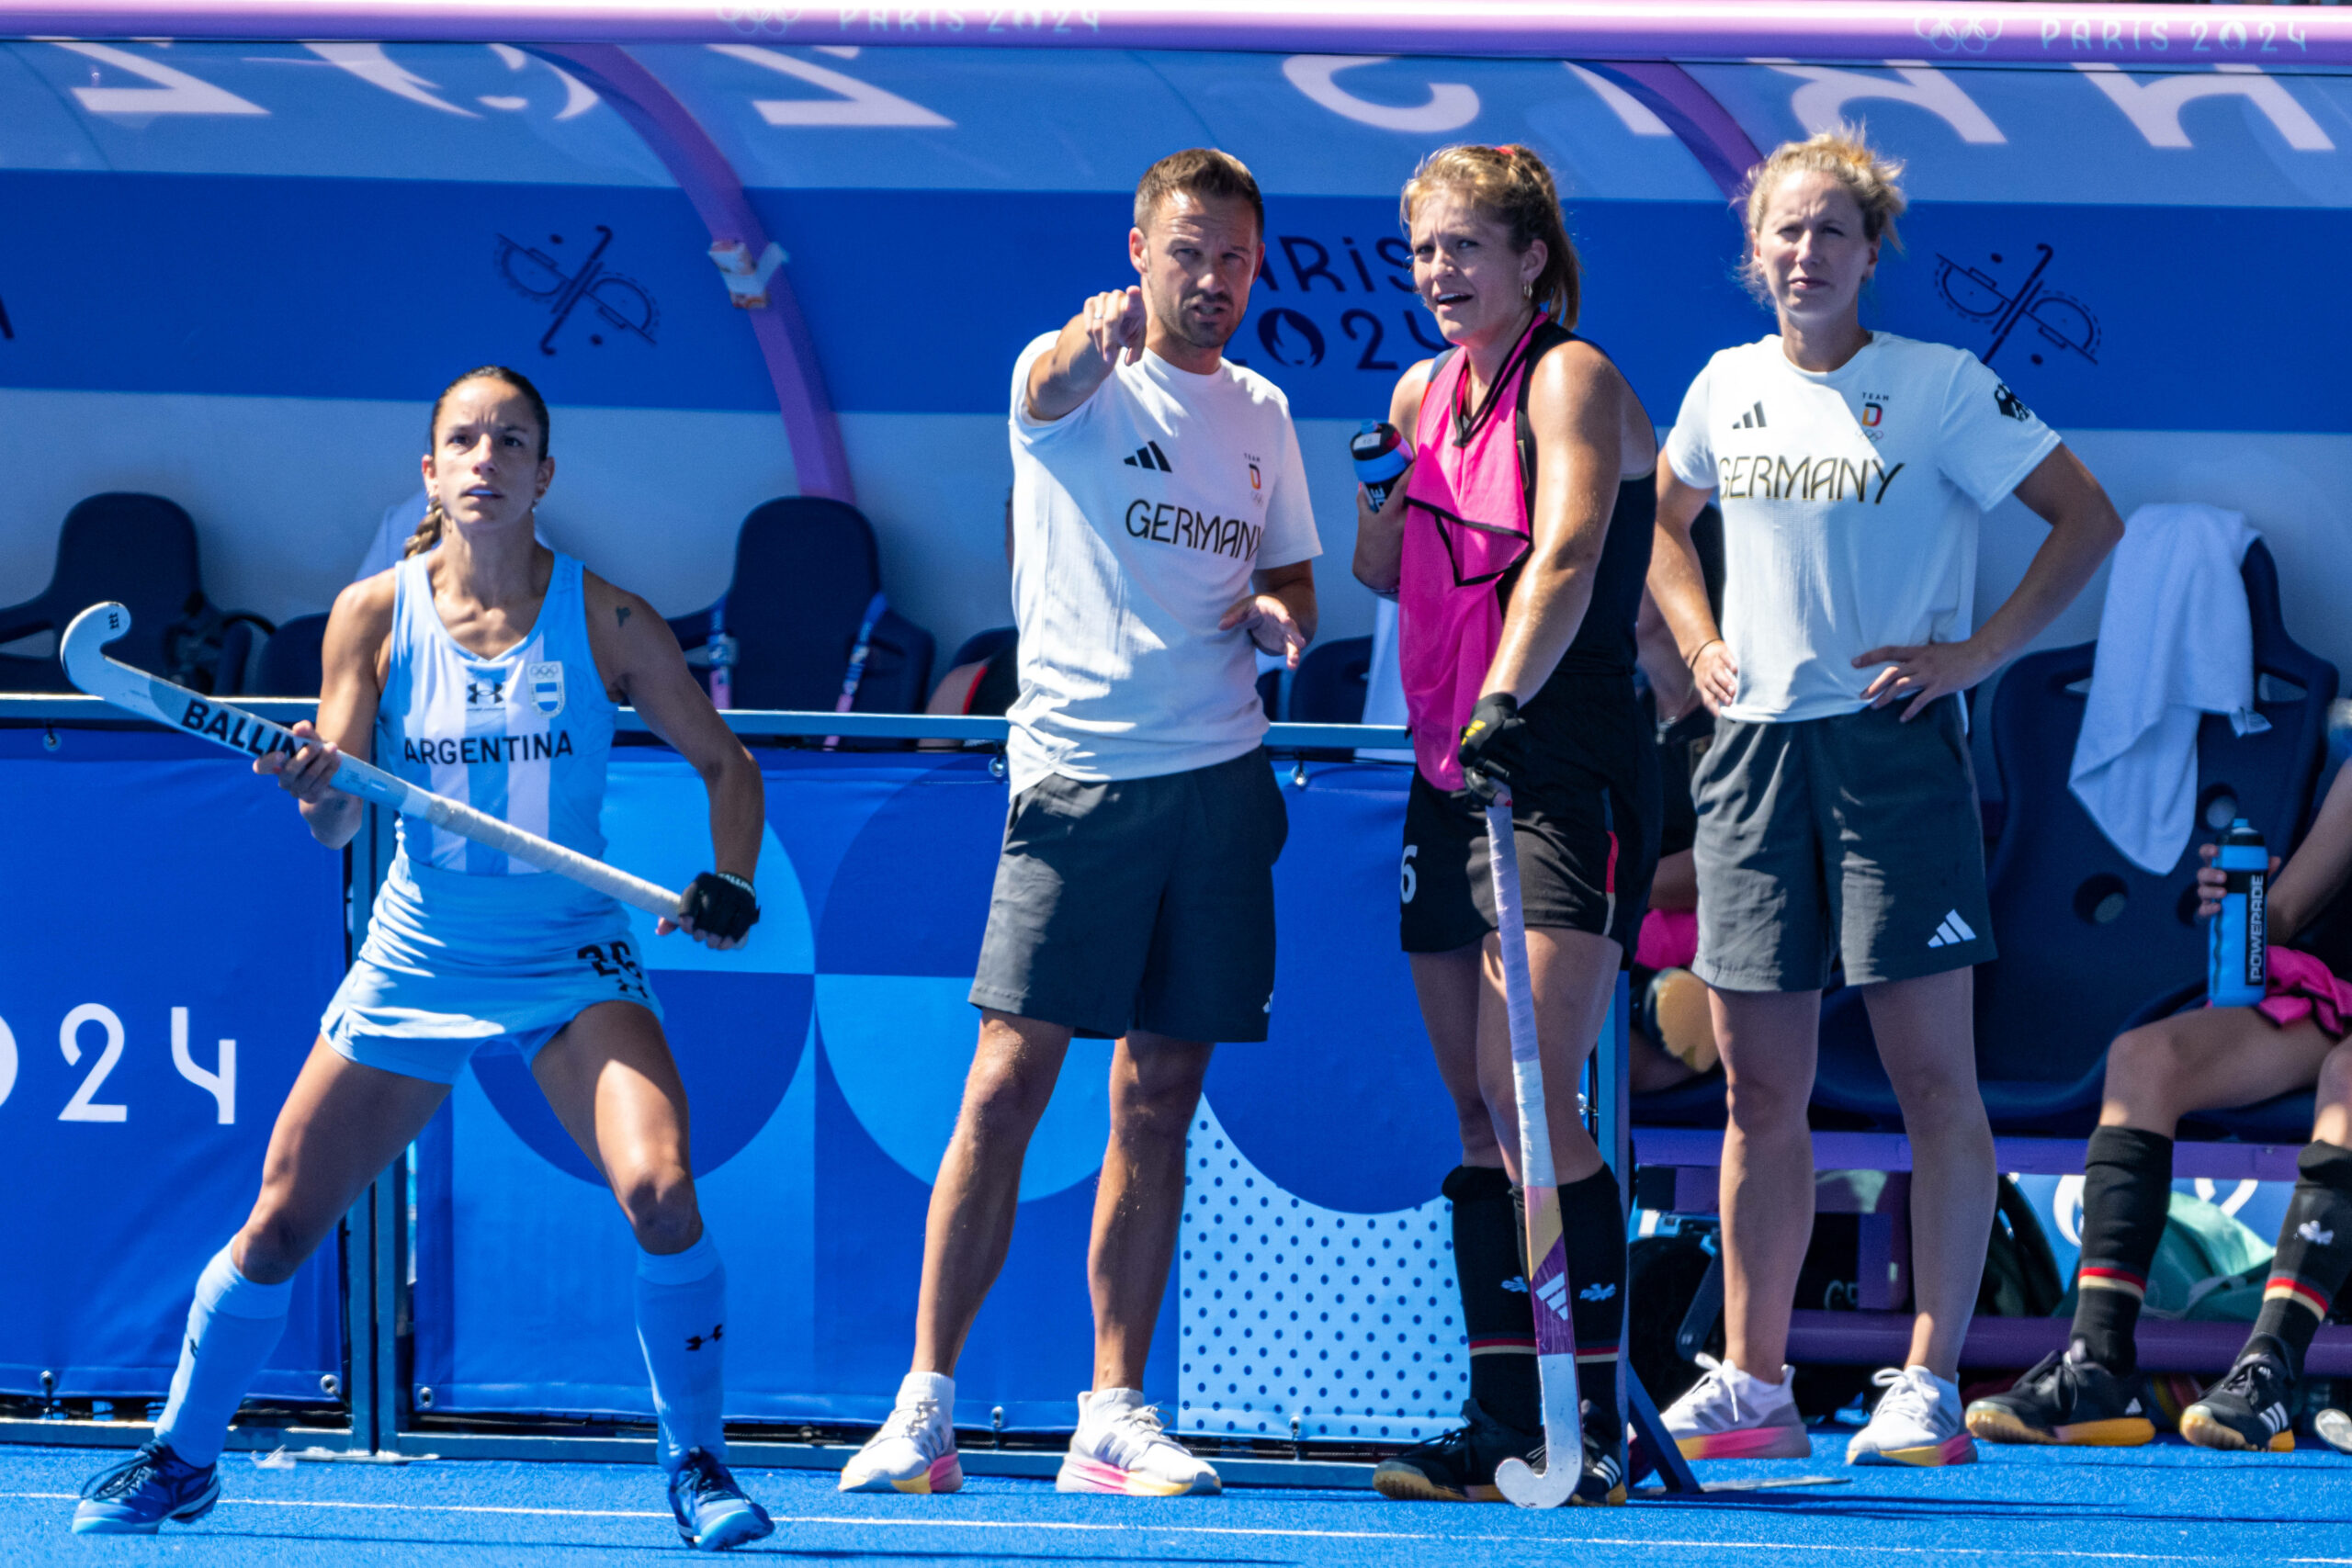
[489,693]
[2309,1230]
[696,1341]
[1596,1292]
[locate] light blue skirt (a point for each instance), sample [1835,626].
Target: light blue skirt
[456,963]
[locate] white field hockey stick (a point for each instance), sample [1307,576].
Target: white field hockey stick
[223,724]
[1548,1287]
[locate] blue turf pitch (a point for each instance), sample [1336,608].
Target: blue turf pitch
[2162,1504]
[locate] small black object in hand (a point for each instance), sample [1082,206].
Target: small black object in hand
[1494,746]
[720,905]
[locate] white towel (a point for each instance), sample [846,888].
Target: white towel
[2174,643]
[1384,686]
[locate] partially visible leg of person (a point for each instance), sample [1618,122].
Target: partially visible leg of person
[969,1227]
[609,1078]
[2252,1406]
[1573,976]
[1155,1089]
[1926,1041]
[1208,975]
[1765,935]
[1503,1412]
[341,1124]
[1770,1042]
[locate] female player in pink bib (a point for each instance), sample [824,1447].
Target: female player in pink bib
[1516,550]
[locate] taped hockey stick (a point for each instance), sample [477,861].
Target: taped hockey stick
[224,724]
[1548,1287]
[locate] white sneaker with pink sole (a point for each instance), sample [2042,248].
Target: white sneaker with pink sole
[1120,1448]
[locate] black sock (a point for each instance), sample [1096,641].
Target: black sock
[2127,1188]
[1592,1226]
[2315,1251]
[1495,1315]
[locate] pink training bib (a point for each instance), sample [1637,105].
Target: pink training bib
[1465,525]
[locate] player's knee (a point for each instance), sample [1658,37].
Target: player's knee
[272,1245]
[661,1210]
[1159,1111]
[2334,1087]
[2142,1065]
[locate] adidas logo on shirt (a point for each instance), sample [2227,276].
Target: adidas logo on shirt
[1148,455]
[1752,420]
[1596,1292]
[2309,1230]
[1952,932]
[1553,1293]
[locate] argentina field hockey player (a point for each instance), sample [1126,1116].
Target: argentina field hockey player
[486,667]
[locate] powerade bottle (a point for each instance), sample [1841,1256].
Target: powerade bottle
[2237,957]
[1378,448]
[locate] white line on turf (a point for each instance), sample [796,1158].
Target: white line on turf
[867,1522]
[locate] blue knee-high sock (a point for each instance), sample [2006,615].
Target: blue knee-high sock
[682,1323]
[232,1326]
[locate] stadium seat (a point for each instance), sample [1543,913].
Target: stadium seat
[981,647]
[2086,936]
[1329,685]
[804,572]
[138,550]
[289,659]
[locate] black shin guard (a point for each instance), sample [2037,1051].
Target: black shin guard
[2315,1251]
[1495,1315]
[2127,1187]
[1592,1228]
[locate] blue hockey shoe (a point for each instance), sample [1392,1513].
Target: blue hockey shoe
[136,1496]
[712,1512]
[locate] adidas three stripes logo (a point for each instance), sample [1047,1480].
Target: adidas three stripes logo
[1952,932]
[1752,420]
[1148,455]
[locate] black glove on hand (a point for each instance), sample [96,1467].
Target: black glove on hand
[1494,745]
[720,905]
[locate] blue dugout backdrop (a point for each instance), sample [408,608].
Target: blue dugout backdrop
[172,933]
[825,1064]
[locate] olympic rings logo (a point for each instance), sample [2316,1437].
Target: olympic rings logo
[752,21]
[1965,35]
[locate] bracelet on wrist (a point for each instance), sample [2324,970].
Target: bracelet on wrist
[1691,660]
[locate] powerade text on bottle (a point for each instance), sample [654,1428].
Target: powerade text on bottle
[1381,459]
[2237,958]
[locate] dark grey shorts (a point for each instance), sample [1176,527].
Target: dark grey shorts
[1139,904]
[1855,837]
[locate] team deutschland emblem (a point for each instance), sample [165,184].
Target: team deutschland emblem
[546,683]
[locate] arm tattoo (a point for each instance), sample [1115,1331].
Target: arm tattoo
[620,615]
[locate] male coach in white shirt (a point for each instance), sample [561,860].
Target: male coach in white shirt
[1161,527]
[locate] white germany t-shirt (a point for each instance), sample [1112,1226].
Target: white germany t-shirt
[1851,502]
[1138,519]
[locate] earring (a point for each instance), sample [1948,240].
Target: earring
[1527,290]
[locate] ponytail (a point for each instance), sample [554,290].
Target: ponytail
[428,530]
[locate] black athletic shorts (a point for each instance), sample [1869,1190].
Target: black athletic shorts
[1586,821]
[1139,904]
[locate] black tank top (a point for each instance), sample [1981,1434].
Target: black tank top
[1604,641]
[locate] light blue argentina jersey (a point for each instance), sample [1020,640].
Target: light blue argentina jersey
[523,737]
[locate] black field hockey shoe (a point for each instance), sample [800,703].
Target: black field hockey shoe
[1603,1485]
[2068,1399]
[1457,1466]
[2251,1410]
